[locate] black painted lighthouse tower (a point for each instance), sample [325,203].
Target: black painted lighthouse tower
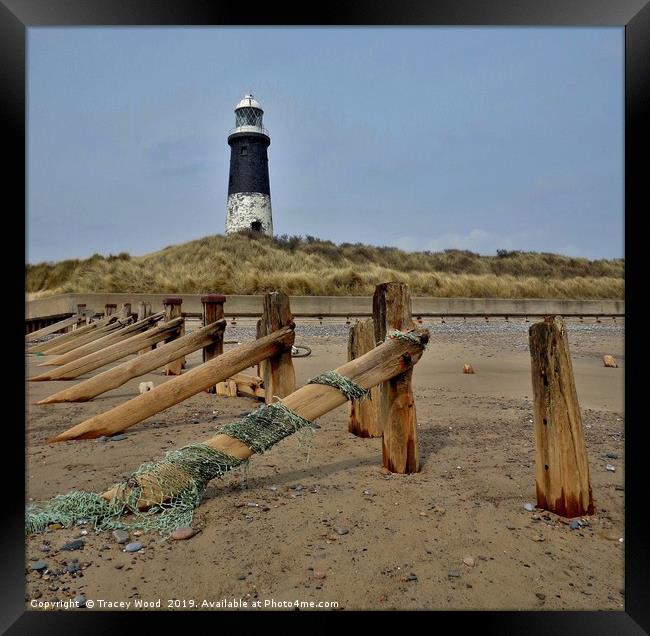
[249,194]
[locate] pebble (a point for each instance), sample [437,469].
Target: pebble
[341,530]
[119,437]
[183,533]
[241,577]
[318,575]
[73,568]
[610,468]
[77,544]
[121,536]
[133,547]
[453,574]
[540,596]
[529,506]
[80,600]
[39,565]
[196,421]
[410,577]
[611,456]
[469,561]
[102,438]
[574,525]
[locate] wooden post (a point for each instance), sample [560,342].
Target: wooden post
[391,308]
[125,310]
[109,309]
[118,375]
[278,372]
[561,466]
[213,311]
[310,402]
[179,388]
[82,316]
[172,305]
[364,421]
[116,351]
[144,311]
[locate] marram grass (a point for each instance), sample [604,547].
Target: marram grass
[250,264]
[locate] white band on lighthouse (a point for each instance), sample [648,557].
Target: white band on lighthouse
[249,211]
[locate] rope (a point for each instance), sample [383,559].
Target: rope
[406,337]
[351,390]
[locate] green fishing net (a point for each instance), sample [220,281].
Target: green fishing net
[351,390]
[173,486]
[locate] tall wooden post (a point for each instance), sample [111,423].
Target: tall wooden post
[278,372]
[109,309]
[144,311]
[213,311]
[81,310]
[561,466]
[172,306]
[125,310]
[364,420]
[391,308]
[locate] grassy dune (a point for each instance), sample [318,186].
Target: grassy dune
[250,264]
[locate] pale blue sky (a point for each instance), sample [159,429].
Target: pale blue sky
[424,138]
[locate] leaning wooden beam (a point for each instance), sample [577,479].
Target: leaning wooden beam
[364,419]
[57,326]
[145,363]
[561,466]
[126,331]
[65,347]
[278,372]
[391,307]
[389,359]
[74,336]
[179,388]
[92,361]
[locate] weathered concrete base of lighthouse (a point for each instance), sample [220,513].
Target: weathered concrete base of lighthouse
[249,211]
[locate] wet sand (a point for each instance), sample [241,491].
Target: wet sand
[329,525]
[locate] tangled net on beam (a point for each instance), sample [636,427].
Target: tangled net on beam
[173,486]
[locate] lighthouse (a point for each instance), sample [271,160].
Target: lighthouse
[249,195]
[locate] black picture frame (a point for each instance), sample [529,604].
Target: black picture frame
[16,16]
